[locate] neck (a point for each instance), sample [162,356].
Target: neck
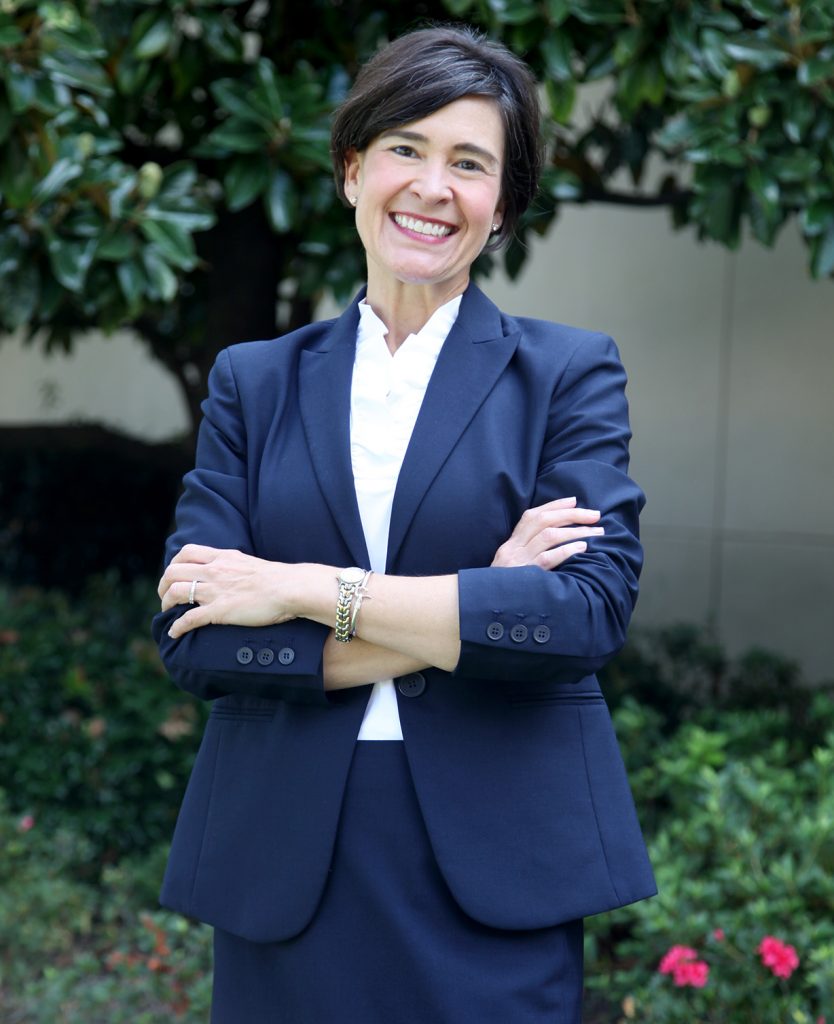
[407,309]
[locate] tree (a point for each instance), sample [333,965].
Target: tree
[165,165]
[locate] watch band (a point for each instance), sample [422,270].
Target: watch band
[349,581]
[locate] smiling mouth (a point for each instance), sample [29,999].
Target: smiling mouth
[431,229]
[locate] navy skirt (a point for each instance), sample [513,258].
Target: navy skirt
[389,945]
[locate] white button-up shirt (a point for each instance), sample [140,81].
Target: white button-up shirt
[386,394]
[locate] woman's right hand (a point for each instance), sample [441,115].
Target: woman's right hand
[549,534]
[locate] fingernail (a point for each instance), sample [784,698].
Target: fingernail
[171,634]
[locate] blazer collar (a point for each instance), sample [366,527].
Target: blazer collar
[472,359]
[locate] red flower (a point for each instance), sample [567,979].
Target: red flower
[778,956]
[26,823]
[718,934]
[686,969]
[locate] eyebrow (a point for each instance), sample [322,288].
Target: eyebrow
[460,147]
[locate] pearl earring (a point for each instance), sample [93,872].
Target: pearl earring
[495,227]
[353,200]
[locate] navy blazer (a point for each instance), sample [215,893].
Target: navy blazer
[513,755]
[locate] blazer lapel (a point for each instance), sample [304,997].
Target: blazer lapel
[472,359]
[324,381]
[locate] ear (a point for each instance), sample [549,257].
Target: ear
[353,169]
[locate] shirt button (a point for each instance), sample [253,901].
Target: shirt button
[518,633]
[411,685]
[541,634]
[244,655]
[495,631]
[286,655]
[265,656]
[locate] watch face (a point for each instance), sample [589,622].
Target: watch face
[352,576]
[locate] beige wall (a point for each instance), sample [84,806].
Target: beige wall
[731,366]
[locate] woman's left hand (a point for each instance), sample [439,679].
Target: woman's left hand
[232,589]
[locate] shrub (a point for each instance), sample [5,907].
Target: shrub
[91,729]
[743,855]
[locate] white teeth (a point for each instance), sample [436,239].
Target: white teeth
[422,227]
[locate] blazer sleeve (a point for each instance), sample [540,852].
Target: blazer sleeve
[282,661]
[575,617]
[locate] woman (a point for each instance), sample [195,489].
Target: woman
[423,850]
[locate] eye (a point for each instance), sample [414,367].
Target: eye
[470,165]
[403,150]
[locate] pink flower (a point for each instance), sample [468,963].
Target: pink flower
[718,934]
[686,969]
[778,956]
[26,823]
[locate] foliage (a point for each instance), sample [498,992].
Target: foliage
[742,853]
[160,163]
[91,729]
[70,951]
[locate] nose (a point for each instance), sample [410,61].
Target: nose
[432,183]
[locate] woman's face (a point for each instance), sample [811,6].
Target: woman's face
[428,194]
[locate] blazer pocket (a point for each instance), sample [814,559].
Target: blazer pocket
[580,700]
[243,709]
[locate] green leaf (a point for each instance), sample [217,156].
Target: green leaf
[174,244]
[231,95]
[132,282]
[152,35]
[761,53]
[561,97]
[556,50]
[281,201]
[512,12]
[70,261]
[162,280]
[6,121]
[20,88]
[458,7]
[10,35]
[822,254]
[236,136]
[816,69]
[116,245]
[557,11]
[267,94]
[800,109]
[19,295]
[817,217]
[627,46]
[245,179]
[78,72]
[60,175]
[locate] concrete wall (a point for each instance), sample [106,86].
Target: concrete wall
[731,366]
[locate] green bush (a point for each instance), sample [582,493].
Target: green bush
[743,852]
[91,729]
[72,951]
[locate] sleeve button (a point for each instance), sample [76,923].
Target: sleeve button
[495,631]
[518,633]
[541,634]
[244,655]
[265,656]
[286,655]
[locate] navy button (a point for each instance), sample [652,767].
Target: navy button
[265,656]
[411,685]
[245,655]
[541,634]
[518,633]
[495,630]
[286,655]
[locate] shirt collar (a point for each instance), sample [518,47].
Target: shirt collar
[428,340]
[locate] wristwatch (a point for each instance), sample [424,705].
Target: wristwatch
[349,580]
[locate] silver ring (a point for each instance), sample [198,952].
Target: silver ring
[192,592]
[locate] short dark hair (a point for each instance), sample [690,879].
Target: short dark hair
[426,69]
